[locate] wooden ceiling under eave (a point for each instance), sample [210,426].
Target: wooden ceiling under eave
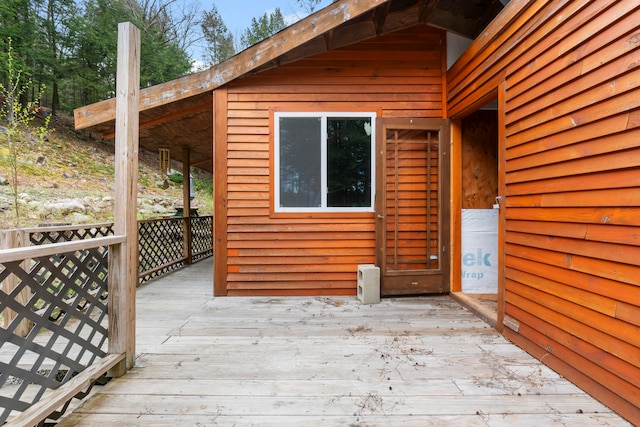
[186,121]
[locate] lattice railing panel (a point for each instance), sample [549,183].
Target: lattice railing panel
[63,299]
[53,309]
[67,234]
[160,247]
[201,237]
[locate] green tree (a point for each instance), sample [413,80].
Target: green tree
[17,139]
[349,162]
[160,39]
[70,46]
[95,55]
[58,33]
[174,20]
[262,28]
[161,59]
[17,24]
[218,38]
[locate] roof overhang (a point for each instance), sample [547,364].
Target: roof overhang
[178,113]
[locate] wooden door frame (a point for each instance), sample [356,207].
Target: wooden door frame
[456,211]
[444,227]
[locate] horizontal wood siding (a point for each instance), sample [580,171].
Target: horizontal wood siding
[572,152]
[396,75]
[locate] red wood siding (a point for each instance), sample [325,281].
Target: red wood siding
[572,156]
[399,74]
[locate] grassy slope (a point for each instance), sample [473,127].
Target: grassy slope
[72,165]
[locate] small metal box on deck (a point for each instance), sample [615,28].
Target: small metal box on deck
[368,284]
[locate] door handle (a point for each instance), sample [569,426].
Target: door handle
[380,216]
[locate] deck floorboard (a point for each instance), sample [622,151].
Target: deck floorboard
[325,361]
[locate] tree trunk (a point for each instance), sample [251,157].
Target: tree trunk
[55,98]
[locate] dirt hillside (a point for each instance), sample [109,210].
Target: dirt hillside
[69,179]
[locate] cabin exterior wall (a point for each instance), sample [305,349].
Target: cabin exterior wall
[260,252]
[568,80]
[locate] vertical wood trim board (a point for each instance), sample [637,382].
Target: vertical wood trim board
[220,198]
[456,205]
[502,191]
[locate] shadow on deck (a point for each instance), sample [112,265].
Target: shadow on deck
[297,361]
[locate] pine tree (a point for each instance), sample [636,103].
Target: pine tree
[262,28]
[219,39]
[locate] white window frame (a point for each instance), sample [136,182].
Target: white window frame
[323,116]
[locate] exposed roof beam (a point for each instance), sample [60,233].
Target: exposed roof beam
[328,40]
[202,162]
[426,9]
[158,121]
[450,22]
[243,63]
[380,16]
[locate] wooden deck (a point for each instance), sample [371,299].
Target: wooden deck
[325,361]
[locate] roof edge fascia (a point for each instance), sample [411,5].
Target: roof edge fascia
[244,62]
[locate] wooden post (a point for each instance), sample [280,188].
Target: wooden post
[186,202]
[123,259]
[220,185]
[15,239]
[456,206]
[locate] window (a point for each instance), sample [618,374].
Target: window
[324,162]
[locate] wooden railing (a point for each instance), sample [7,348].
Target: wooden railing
[54,342]
[56,292]
[165,245]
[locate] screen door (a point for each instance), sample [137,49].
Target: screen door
[412,204]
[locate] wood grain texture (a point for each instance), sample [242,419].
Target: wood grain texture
[220,199]
[398,74]
[123,259]
[479,160]
[329,361]
[55,399]
[246,61]
[571,177]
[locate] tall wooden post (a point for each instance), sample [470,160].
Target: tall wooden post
[123,259]
[186,202]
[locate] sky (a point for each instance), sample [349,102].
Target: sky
[237,14]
